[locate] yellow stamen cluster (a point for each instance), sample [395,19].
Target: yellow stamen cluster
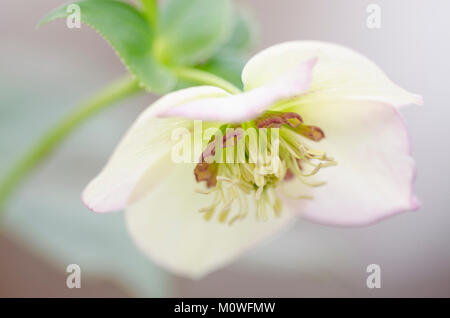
[243,183]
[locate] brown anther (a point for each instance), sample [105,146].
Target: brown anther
[269,122]
[276,120]
[206,169]
[293,119]
[229,140]
[206,172]
[311,132]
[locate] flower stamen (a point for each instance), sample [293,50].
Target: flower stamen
[235,184]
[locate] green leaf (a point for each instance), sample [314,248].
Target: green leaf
[244,34]
[228,64]
[129,33]
[191,31]
[234,54]
[150,10]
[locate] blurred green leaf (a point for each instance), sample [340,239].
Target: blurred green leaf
[191,31]
[129,33]
[228,64]
[244,34]
[234,54]
[150,10]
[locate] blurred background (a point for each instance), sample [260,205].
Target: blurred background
[44,72]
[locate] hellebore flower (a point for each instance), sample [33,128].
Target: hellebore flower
[344,158]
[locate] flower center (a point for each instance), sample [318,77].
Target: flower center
[247,164]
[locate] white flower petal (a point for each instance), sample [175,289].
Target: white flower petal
[340,73]
[375,172]
[292,82]
[145,146]
[168,228]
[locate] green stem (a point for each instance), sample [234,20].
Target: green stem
[116,91]
[202,77]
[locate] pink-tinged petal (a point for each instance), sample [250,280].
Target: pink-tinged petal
[375,173]
[144,149]
[238,108]
[168,228]
[340,73]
